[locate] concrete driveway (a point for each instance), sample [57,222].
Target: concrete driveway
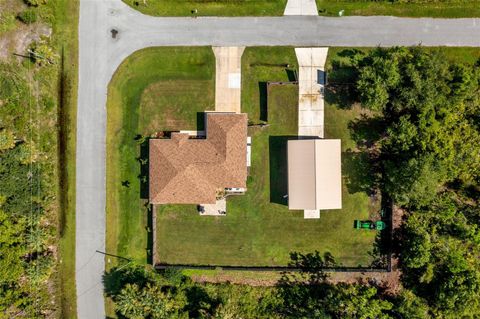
[228,79]
[311,84]
[101,53]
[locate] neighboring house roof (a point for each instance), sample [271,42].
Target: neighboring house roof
[190,171]
[314,174]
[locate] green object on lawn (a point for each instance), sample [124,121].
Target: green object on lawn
[379,225]
[368,224]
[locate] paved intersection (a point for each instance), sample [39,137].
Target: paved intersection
[100,55]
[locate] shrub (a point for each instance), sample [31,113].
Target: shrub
[35,3]
[28,16]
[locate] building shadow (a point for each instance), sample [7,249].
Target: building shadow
[263,90]
[144,167]
[292,75]
[150,244]
[279,168]
[200,121]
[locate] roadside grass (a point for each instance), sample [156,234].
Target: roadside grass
[436,9]
[210,8]
[153,90]
[65,33]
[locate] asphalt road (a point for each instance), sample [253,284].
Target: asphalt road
[101,54]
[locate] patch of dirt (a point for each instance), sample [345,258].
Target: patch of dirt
[17,41]
[397,217]
[389,282]
[225,277]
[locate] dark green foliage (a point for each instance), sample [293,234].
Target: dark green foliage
[429,155]
[142,293]
[408,305]
[440,250]
[28,16]
[154,295]
[429,107]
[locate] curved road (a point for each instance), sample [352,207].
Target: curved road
[100,55]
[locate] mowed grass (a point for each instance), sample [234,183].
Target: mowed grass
[259,230]
[210,8]
[153,90]
[438,9]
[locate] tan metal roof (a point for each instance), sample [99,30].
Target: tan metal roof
[190,171]
[314,174]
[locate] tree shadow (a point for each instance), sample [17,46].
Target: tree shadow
[359,172]
[342,77]
[199,302]
[350,53]
[366,131]
[298,290]
[116,278]
[279,168]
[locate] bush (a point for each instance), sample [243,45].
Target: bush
[28,16]
[35,3]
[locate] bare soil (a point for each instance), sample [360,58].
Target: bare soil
[17,41]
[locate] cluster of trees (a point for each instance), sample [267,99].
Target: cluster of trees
[139,292]
[429,109]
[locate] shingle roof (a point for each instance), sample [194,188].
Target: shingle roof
[190,171]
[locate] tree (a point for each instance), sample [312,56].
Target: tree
[410,306]
[35,3]
[357,301]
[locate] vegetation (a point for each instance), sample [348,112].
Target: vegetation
[209,8]
[259,229]
[427,143]
[30,209]
[28,16]
[411,8]
[416,105]
[402,8]
[148,95]
[142,293]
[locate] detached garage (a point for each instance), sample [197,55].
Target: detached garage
[314,175]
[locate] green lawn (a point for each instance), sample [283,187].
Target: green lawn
[439,9]
[259,230]
[65,33]
[155,89]
[209,8]
[446,9]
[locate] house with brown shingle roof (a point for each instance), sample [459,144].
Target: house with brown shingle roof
[186,170]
